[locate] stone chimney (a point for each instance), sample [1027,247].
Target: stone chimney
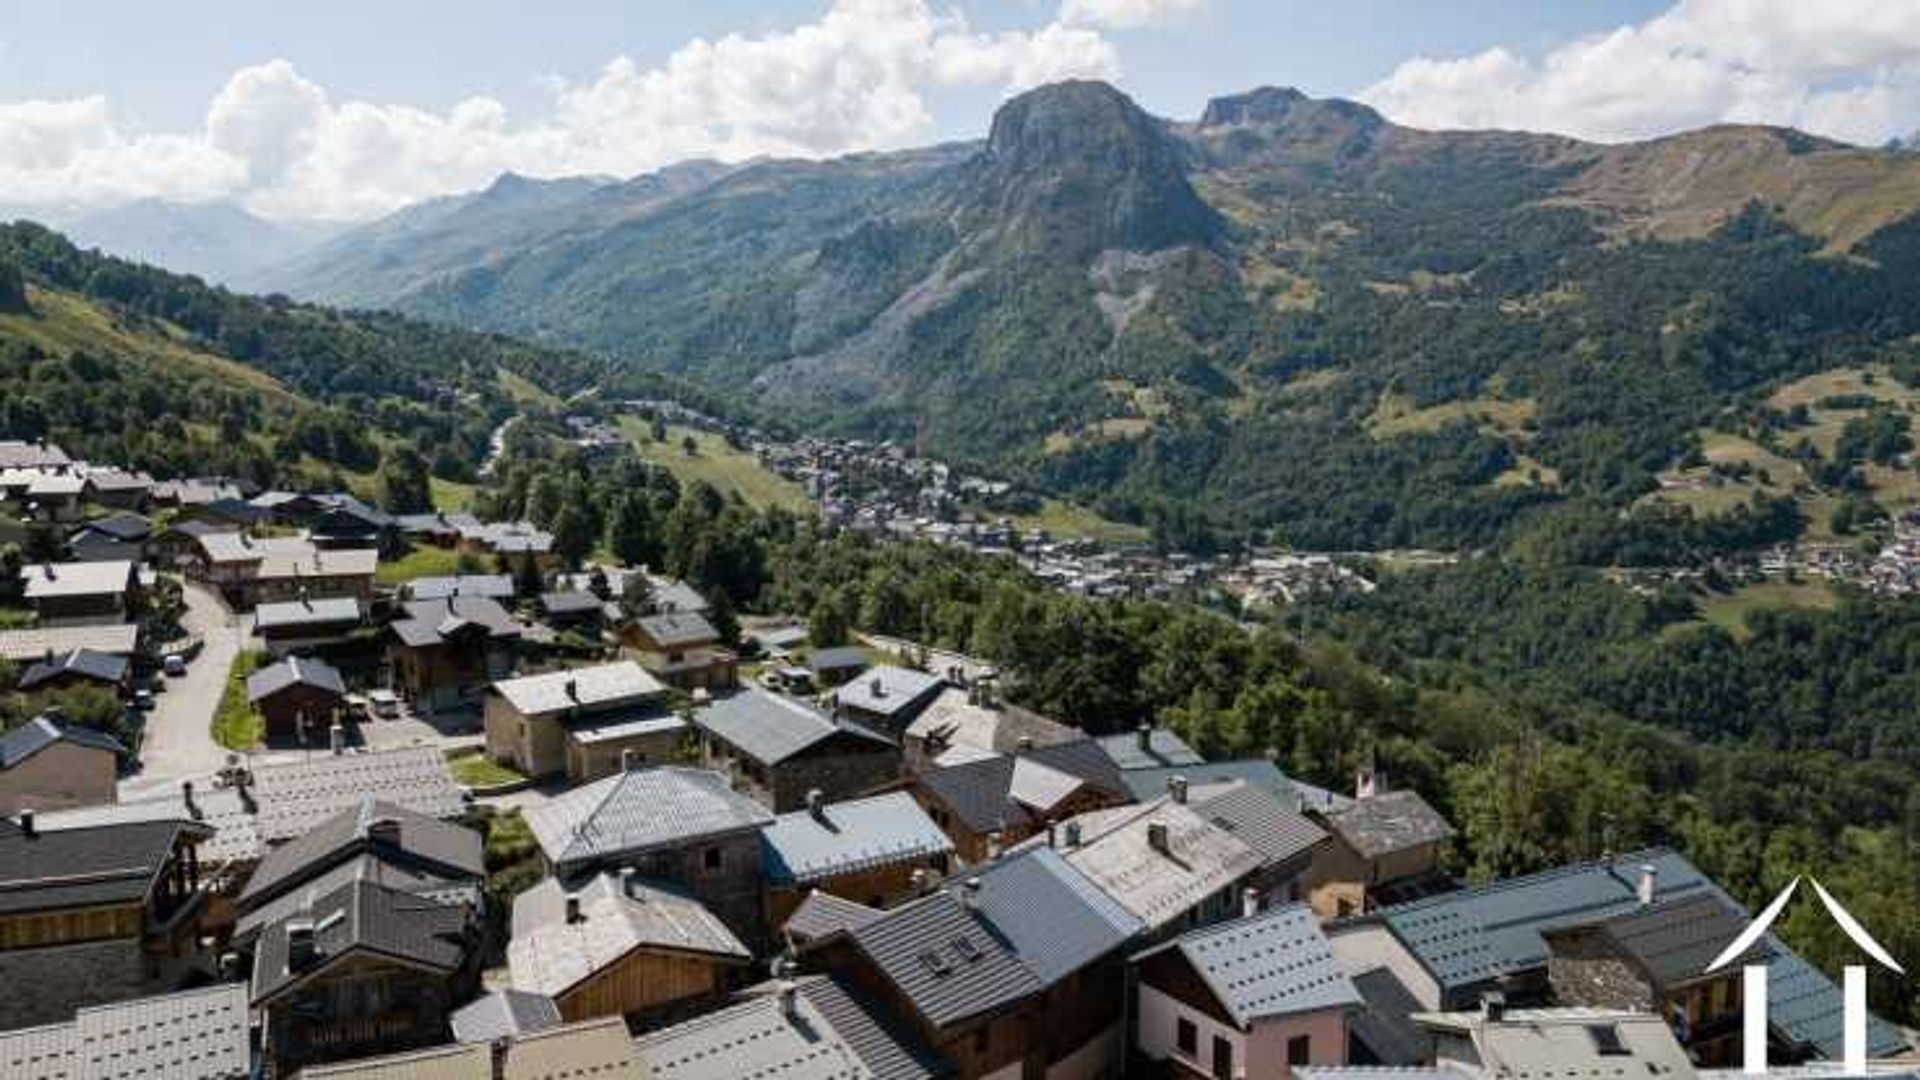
[817,804]
[1072,830]
[1177,787]
[1366,782]
[1648,885]
[27,828]
[1143,737]
[1157,838]
[788,993]
[573,690]
[1493,1006]
[993,845]
[1249,902]
[574,916]
[878,686]
[970,891]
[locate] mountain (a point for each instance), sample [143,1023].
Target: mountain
[1290,316]
[218,241]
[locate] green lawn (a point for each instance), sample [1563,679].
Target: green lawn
[450,496]
[1729,611]
[235,725]
[726,469]
[424,561]
[1068,521]
[479,770]
[525,391]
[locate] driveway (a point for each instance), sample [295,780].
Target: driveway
[179,731]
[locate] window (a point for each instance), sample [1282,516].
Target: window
[1222,1059]
[1186,1036]
[1300,1050]
[1606,1040]
[711,858]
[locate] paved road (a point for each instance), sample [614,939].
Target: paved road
[179,739]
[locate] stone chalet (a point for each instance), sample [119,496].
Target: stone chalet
[887,698]
[445,651]
[875,851]
[583,723]
[781,750]
[682,649]
[1386,848]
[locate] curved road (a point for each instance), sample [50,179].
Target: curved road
[179,731]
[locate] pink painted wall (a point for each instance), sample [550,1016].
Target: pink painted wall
[1259,1056]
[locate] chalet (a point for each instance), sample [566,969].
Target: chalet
[198,1034]
[1654,959]
[682,649]
[1016,970]
[1386,847]
[80,667]
[198,492]
[446,651]
[682,827]
[33,643]
[292,509]
[374,841]
[362,969]
[582,722]
[56,495]
[179,544]
[876,851]
[580,611]
[1449,950]
[35,454]
[812,1026]
[497,587]
[304,624]
[781,751]
[323,573]
[887,698]
[837,665]
[1256,997]
[989,804]
[974,719]
[46,765]
[95,915]
[618,945]
[439,530]
[821,915]
[348,524]
[1286,840]
[120,537]
[119,489]
[1495,1041]
[1162,862]
[70,594]
[298,699]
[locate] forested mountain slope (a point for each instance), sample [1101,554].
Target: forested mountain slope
[1289,316]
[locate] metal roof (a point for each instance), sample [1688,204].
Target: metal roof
[1055,918]
[671,595]
[770,728]
[1258,772]
[639,810]
[430,622]
[322,563]
[838,658]
[489,586]
[36,642]
[193,1035]
[1673,941]
[39,733]
[1164,749]
[458,1061]
[503,1013]
[847,837]
[1038,786]
[822,914]
[364,917]
[957,722]
[888,691]
[584,687]
[824,1034]
[48,580]
[321,612]
[1277,831]
[76,867]
[1475,935]
[373,827]
[1275,963]
[618,914]
[944,960]
[1159,886]
[980,792]
[592,1048]
[675,629]
[294,796]
[1385,1027]
[438,886]
[570,603]
[295,671]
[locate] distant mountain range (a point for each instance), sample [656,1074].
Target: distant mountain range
[1288,315]
[219,241]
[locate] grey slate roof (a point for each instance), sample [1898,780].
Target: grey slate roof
[76,867]
[981,792]
[383,829]
[671,595]
[365,918]
[1164,749]
[294,796]
[295,671]
[677,629]
[504,1013]
[770,728]
[823,914]
[35,642]
[192,1035]
[570,603]
[40,732]
[884,1044]
[550,955]
[1385,1027]
[405,878]
[1275,963]
[838,658]
[1674,941]
[489,586]
[892,692]
[1056,920]
[48,580]
[1276,830]
[945,961]
[1472,936]
[294,613]
[429,622]
[1159,886]
[847,837]
[124,525]
[1259,772]
[1390,822]
[622,681]
[640,810]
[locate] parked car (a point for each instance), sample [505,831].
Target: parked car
[143,700]
[384,704]
[174,664]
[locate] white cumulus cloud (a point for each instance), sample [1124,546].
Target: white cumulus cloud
[1849,69]
[1123,14]
[855,78]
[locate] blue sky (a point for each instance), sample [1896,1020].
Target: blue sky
[352,108]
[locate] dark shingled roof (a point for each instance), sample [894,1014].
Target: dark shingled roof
[979,792]
[944,961]
[1383,824]
[370,918]
[822,914]
[84,663]
[1673,941]
[295,670]
[454,850]
[770,728]
[1277,831]
[882,1043]
[114,864]
[39,733]
[1385,1027]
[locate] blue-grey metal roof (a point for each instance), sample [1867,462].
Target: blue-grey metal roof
[944,961]
[889,691]
[1146,784]
[339,609]
[882,1043]
[640,810]
[302,670]
[86,663]
[770,728]
[1275,963]
[848,837]
[1470,937]
[838,658]
[491,586]
[1164,749]
[1056,920]
[823,914]
[1275,829]
[1385,1026]
[40,732]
